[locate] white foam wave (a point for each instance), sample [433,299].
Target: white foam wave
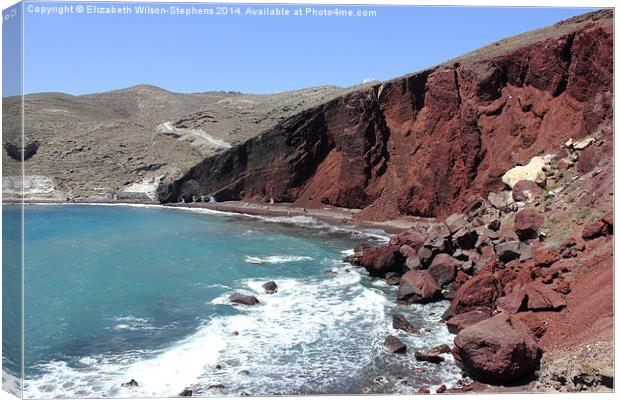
[298,336]
[275,259]
[131,323]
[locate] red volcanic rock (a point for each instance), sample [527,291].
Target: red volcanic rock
[602,227]
[499,350]
[546,256]
[462,321]
[380,260]
[418,287]
[609,219]
[443,269]
[542,297]
[535,296]
[429,356]
[527,223]
[513,302]
[455,222]
[414,238]
[594,230]
[426,143]
[408,251]
[400,322]
[561,286]
[479,293]
[461,278]
[525,191]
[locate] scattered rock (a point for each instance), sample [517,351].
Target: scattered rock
[400,322]
[394,345]
[440,389]
[541,297]
[527,223]
[544,257]
[131,383]
[494,225]
[413,262]
[418,287]
[455,222]
[243,299]
[466,238]
[216,387]
[270,287]
[392,278]
[601,227]
[440,349]
[499,350]
[408,251]
[500,200]
[186,393]
[508,251]
[525,191]
[428,356]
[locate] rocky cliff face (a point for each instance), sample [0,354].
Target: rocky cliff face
[424,144]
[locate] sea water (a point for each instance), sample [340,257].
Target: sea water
[114,293]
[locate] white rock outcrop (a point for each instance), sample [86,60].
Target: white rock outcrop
[527,172]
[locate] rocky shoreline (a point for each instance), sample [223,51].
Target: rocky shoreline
[510,278]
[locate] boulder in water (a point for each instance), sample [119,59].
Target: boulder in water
[243,299]
[394,345]
[131,383]
[400,322]
[270,287]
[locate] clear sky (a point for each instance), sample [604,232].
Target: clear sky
[80,53]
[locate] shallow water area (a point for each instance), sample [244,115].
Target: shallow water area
[120,293]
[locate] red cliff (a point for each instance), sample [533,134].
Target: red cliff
[424,144]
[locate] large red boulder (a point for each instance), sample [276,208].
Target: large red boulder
[418,287]
[479,293]
[380,260]
[443,268]
[498,350]
[527,223]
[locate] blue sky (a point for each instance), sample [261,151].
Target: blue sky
[80,54]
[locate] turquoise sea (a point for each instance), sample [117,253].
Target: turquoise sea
[114,293]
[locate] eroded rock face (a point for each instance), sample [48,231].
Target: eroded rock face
[424,144]
[499,350]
